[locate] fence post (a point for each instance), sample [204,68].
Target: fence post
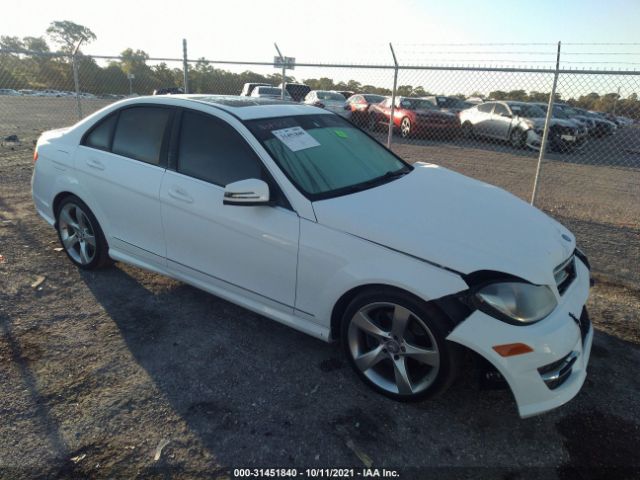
[284,71]
[393,96]
[76,80]
[185,66]
[545,132]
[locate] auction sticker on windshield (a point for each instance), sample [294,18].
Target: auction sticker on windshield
[295,138]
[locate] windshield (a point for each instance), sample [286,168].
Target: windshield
[417,104]
[330,96]
[324,155]
[529,111]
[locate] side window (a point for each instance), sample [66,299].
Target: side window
[501,110]
[485,107]
[140,133]
[212,150]
[100,136]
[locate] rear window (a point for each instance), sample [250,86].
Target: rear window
[101,135]
[140,133]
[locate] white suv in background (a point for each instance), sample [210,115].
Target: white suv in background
[293,212]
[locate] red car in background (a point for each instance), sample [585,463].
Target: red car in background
[414,117]
[359,105]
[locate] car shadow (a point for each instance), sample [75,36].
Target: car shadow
[257,391]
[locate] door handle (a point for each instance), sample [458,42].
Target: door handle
[179,194]
[93,163]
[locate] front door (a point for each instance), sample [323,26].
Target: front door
[252,249]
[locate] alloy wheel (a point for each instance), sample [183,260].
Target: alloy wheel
[77,234]
[393,348]
[405,127]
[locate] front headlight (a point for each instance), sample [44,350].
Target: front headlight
[516,302]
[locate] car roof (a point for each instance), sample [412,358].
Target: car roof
[244,108]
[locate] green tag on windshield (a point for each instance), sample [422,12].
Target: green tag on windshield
[341,133]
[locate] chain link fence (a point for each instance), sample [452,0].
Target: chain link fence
[487,122]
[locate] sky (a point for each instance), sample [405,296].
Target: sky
[350,31]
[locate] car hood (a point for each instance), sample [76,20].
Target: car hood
[447,219]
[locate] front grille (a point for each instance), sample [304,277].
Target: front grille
[564,274]
[556,373]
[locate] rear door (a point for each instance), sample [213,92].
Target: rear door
[250,250]
[120,163]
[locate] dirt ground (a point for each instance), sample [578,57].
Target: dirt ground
[99,370]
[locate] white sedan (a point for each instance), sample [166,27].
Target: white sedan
[294,213]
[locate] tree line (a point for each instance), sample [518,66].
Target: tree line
[29,63]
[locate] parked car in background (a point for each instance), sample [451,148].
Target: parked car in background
[51,93]
[298,91]
[474,100]
[27,92]
[168,91]
[561,119]
[603,127]
[520,123]
[344,93]
[359,105]
[574,114]
[10,92]
[332,101]
[269,92]
[248,88]
[448,104]
[624,121]
[297,215]
[414,117]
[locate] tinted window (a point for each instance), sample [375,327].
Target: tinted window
[100,136]
[485,107]
[140,133]
[212,150]
[500,109]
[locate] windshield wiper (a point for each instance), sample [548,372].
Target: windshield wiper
[384,178]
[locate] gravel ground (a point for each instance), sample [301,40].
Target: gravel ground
[100,369]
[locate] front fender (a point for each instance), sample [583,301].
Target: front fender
[324,276]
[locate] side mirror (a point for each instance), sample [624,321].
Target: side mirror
[250,192]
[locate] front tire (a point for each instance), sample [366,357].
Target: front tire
[518,138]
[80,234]
[396,345]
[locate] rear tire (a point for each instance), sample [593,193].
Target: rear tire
[396,343]
[80,234]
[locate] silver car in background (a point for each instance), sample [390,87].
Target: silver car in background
[520,123]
